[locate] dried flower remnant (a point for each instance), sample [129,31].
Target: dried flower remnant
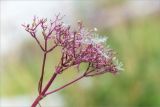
[86,46]
[77,47]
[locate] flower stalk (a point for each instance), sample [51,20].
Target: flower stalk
[77,47]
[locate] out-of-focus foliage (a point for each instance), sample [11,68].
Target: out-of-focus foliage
[137,44]
[138,85]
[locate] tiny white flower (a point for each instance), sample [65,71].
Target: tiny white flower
[103,54]
[94,39]
[99,40]
[119,65]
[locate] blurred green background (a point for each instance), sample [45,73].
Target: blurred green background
[134,36]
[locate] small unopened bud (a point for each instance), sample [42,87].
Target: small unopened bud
[28,25]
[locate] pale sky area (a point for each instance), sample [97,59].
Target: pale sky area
[15,13]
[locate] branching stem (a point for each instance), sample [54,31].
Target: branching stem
[43,67]
[42,73]
[73,81]
[41,95]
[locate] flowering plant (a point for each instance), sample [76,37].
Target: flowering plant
[77,46]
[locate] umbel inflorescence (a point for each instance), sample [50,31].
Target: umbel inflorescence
[77,46]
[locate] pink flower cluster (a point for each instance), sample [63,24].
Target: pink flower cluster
[78,46]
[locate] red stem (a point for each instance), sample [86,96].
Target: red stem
[42,73]
[49,83]
[39,43]
[49,50]
[43,66]
[44,91]
[36,101]
[80,77]
[65,85]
